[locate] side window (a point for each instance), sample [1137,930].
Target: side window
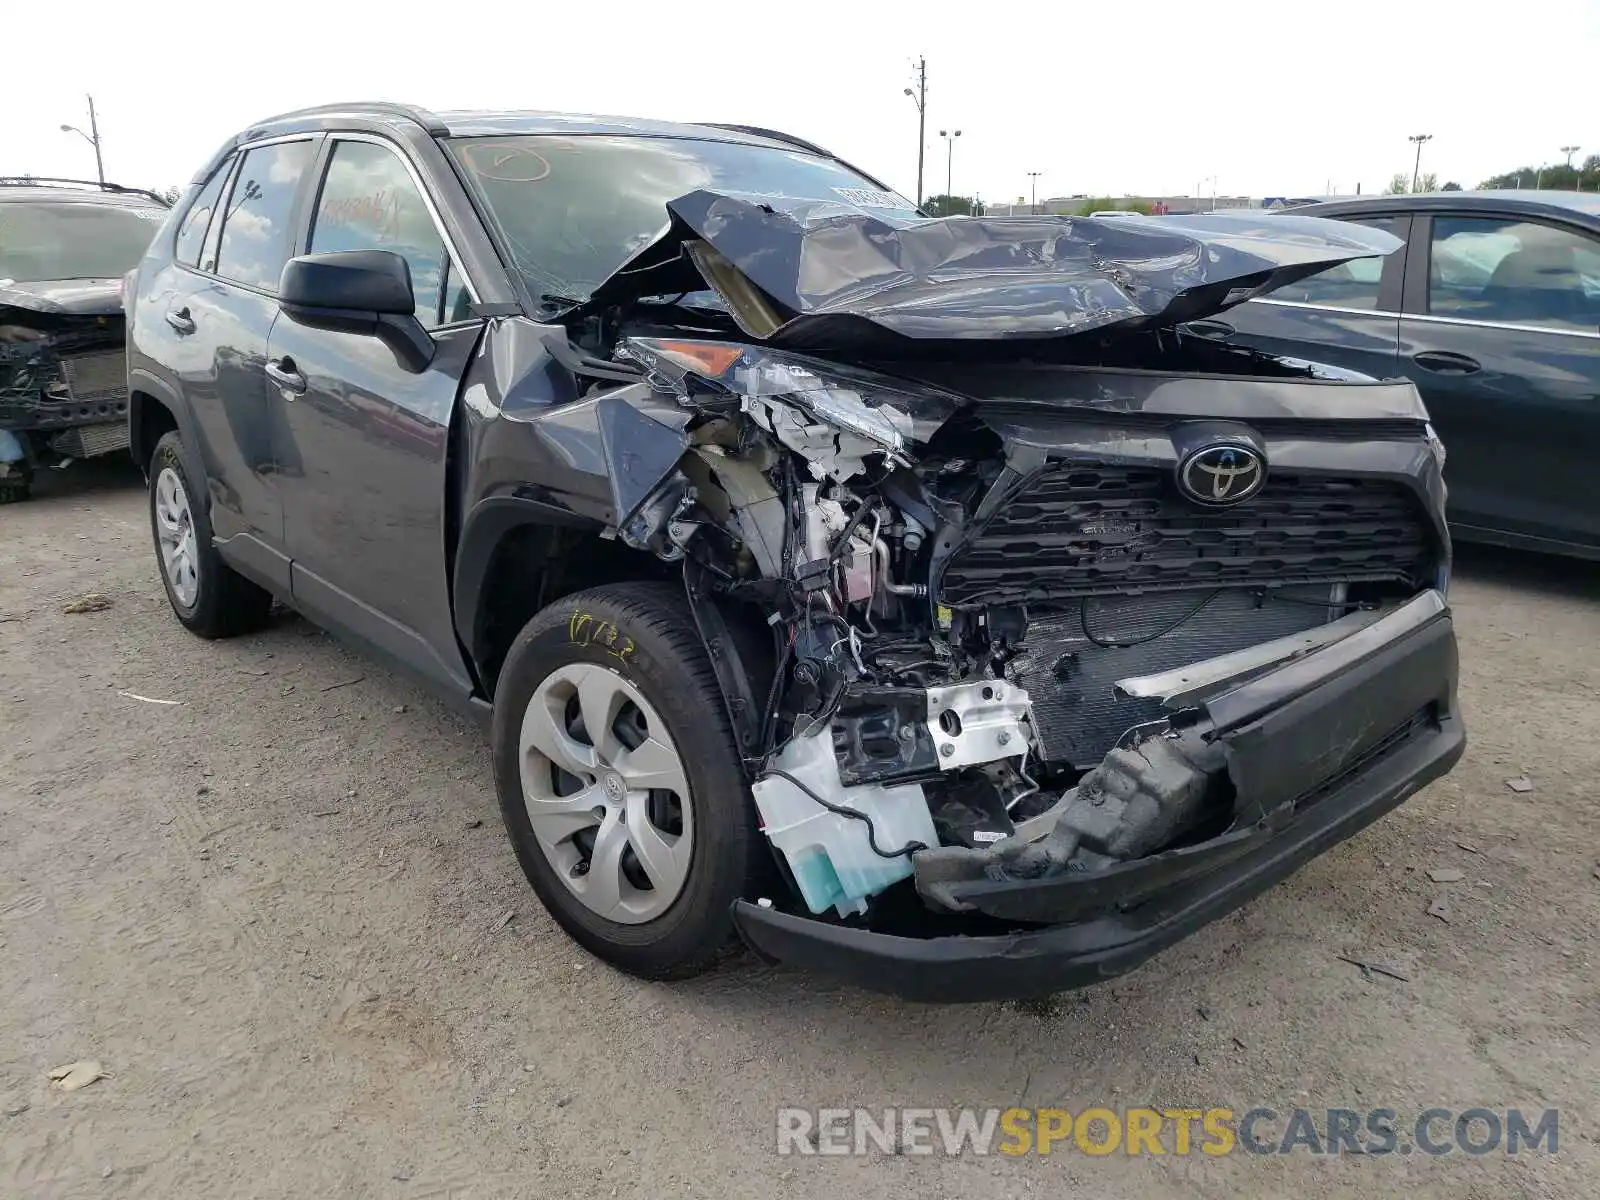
[192,231]
[370,202]
[1349,285]
[1514,272]
[457,299]
[257,237]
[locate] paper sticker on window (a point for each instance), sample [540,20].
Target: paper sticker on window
[870,198]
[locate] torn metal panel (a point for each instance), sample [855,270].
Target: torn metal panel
[826,273]
[640,453]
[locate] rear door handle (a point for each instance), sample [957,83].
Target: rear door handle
[283,372]
[1446,362]
[180,320]
[1215,330]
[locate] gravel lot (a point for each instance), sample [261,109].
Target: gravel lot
[273,912]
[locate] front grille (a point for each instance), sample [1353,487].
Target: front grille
[96,378]
[1083,529]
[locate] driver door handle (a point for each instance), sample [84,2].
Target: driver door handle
[286,375]
[180,319]
[1447,362]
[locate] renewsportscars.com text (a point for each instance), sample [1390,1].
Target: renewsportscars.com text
[1211,1131]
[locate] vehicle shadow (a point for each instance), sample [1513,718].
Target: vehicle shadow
[87,478]
[1548,574]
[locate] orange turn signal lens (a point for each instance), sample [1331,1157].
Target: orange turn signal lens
[710,360]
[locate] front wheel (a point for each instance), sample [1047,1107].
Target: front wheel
[619,779]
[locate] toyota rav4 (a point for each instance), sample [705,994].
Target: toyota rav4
[912,597]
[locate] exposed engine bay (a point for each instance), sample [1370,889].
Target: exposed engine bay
[63,375]
[1035,563]
[964,598]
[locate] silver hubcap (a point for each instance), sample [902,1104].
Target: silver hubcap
[606,793]
[175,533]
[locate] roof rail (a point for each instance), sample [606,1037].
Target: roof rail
[409,112]
[772,134]
[57,181]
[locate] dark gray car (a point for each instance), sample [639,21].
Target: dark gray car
[1493,310]
[903,594]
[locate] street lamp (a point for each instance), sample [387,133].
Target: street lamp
[1033,185]
[919,97]
[1569,151]
[1416,170]
[949,163]
[93,138]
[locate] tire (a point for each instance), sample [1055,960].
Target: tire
[638,636]
[212,600]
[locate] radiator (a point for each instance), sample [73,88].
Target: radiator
[1068,676]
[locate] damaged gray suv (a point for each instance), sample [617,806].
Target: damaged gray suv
[912,598]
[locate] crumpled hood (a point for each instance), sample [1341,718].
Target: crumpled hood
[64,297]
[826,272]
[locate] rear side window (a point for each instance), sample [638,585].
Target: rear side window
[370,202]
[257,232]
[1349,285]
[1514,272]
[192,233]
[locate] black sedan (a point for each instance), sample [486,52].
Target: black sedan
[1492,309]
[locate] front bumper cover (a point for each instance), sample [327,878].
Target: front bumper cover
[1317,749]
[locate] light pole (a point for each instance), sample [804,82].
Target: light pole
[1033,186]
[949,163]
[1569,151]
[1416,170]
[93,138]
[919,97]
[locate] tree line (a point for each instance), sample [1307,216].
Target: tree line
[1582,177]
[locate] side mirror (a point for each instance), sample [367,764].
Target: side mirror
[358,291]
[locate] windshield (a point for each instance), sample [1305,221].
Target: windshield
[571,210]
[63,239]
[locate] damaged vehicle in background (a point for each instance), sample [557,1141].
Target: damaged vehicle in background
[64,247]
[908,595]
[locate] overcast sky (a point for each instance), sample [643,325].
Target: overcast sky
[1108,96]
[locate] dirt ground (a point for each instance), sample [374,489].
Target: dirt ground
[273,912]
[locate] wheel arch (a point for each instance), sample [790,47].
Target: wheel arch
[515,556]
[154,410]
[518,555]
